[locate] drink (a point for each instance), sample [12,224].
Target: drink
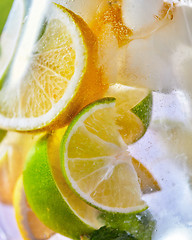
[104,89]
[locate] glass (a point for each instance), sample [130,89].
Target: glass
[156,55]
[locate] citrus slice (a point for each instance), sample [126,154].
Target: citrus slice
[49,196]
[50,84]
[96,163]
[13,150]
[29,225]
[147,181]
[134,107]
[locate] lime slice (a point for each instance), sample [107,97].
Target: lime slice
[29,225]
[49,196]
[96,163]
[49,85]
[134,107]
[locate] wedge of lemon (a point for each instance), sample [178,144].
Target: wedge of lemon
[134,107]
[29,225]
[50,197]
[46,88]
[96,163]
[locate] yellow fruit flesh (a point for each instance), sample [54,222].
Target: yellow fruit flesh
[29,225]
[130,126]
[56,67]
[47,78]
[134,131]
[147,182]
[126,97]
[84,211]
[100,168]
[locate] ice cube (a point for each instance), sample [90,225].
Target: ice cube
[161,61]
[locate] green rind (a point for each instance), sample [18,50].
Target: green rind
[143,110]
[107,100]
[44,197]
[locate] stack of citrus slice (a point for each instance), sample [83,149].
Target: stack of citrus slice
[97,171]
[74,174]
[95,161]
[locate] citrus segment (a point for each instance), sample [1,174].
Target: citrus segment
[60,79]
[100,169]
[147,181]
[50,197]
[29,225]
[134,109]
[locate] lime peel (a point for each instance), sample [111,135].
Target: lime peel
[144,110]
[137,204]
[45,198]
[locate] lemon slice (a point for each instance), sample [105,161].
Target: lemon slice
[49,196]
[134,107]
[96,163]
[47,87]
[13,150]
[29,225]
